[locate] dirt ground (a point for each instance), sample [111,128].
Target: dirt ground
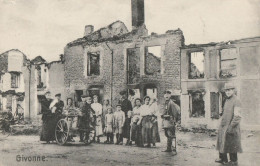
[193,149]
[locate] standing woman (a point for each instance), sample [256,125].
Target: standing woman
[154,120]
[135,128]
[105,111]
[97,107]
[48,119]
[146,123]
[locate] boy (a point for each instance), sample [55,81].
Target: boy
[109,119]
[119,121]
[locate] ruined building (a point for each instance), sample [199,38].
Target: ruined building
[23,83]
[112,59]
[205,68]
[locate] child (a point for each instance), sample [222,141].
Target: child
[128,128]
[109,119]
[119,120]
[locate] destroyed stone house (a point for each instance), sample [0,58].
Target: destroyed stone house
[23,83]
[204,70]
[12,86]
[113,59]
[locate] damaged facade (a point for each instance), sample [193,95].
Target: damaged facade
[23,83]
[112,59]
[13,66]
[204,70]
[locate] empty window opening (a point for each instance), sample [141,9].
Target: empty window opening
[228,59]
[196,65]
[15,80]
[133,65]
[152,60]
[197,104]
[94,64]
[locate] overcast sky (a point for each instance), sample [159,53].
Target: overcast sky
[44,27]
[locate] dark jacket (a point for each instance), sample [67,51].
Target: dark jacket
[59,107]
[85,119]
[126,106]
[172,109]
[46,112]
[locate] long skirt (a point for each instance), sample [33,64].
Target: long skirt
[48,128]
[155,133]
[136,134]
[146,130]
[99,129]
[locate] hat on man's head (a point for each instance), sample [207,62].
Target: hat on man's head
[58,95]
[168,92]
[229,85]
[118,105]
[123,92]
[85,96]
[48,92]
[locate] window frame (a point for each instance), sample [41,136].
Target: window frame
[17,80]
[219,65]
[189,63]
[161,54]
[89,54]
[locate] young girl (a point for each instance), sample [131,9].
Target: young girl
[109,119]
[119,124]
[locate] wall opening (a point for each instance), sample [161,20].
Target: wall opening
[196,65]
[152,60]
[197,104]
[133,65]
[93,64]
[228,60]
[15,80]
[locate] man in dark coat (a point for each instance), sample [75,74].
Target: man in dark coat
[170,116]
[86,118]
[126,106]
[48,119]
[59,105]
[229,136]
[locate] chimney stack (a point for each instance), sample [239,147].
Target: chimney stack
[88,30]
[137,13]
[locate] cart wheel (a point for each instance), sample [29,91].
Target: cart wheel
[62,132]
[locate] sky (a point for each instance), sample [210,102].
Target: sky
[44,27]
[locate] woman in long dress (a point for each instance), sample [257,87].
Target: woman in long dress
[146,123]
[135,128]
[154,120]
[97,107]
[48,120]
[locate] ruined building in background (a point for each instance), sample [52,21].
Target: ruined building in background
[113,59]
[13,66]
[205,68]
[23,83]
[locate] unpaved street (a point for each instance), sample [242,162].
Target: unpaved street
[193,149]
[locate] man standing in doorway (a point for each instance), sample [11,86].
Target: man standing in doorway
[170,116]
[229,136]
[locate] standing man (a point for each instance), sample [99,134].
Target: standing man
[85,118]
[170,116]
[126,106]
[229,136]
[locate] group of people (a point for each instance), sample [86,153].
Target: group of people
[137,120]
[134,119]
